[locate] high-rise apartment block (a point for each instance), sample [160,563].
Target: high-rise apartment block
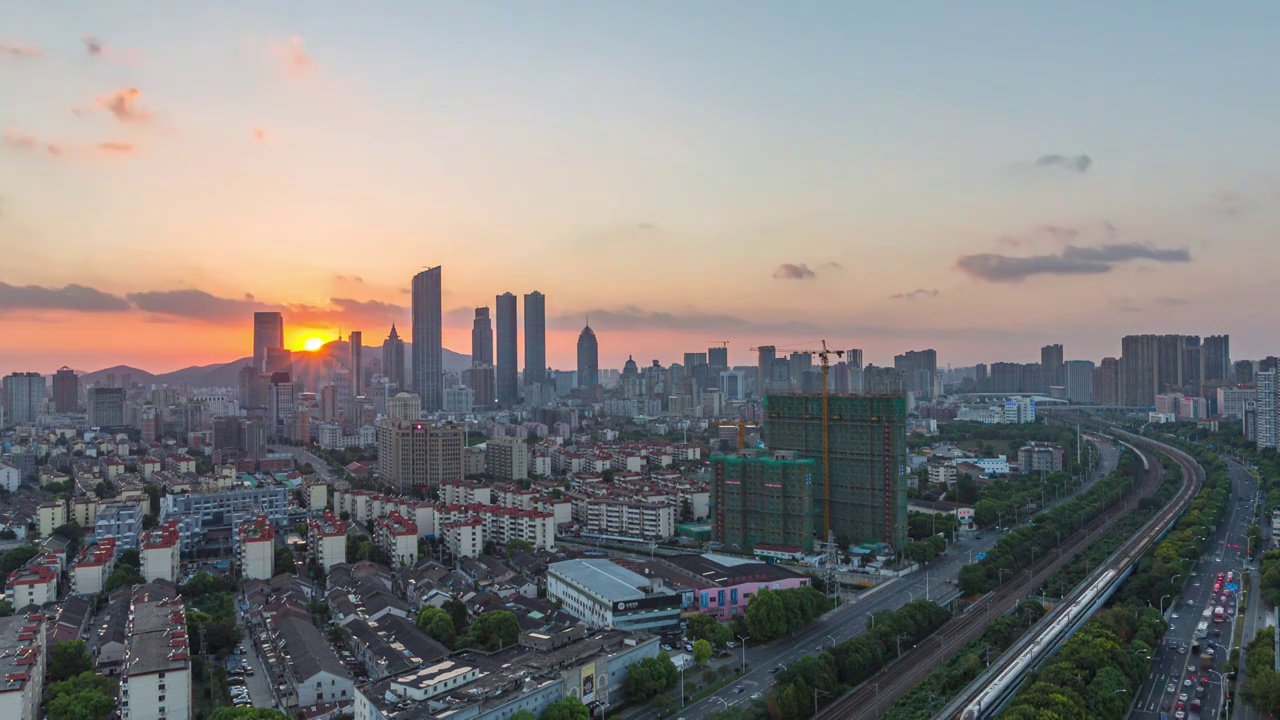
[106,407]
[160,550]
[480,380]
[506,458]
[588,358]
[718,357]
[268,332]
[66,391]
[393,359]
[482,338]
[764,499]
[765,357]
[327,540]
[1215,358]
[1106,382]
[506,357]
[535,338]
[1079,380]
[1051,368]
[356,341]
[24,397]
[428,348]
[868,451]
[919,370]
[255,548]
[413,455]
[1155,364]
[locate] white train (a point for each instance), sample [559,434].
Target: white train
[1007,679]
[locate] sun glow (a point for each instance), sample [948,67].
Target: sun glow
[313,344]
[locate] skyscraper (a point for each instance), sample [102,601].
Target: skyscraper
[428,348]
[507,361]
[356,341]
[588,358]
[1215,358]
[24,397]
[765,355]
[1051,370]
[393,358]
[66,391]
[535,338]
[268,332]
[106,407]
[481,338]
[718,357]
[918,368]
[1079,380]
[1106,382]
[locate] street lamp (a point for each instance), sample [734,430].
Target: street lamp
[1175,577]
[1162,597]
[744,653]
[833,640]
[873,620]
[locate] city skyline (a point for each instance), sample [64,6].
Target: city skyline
[999,182]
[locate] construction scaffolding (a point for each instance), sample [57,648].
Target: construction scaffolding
[867,448]
[766,499]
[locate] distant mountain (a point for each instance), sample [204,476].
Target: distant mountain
[312,368]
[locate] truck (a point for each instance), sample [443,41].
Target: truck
[1206,661]
[1219,614]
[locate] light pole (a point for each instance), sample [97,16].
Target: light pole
[1175,577]
[833,640]
[744,654]
[873,620]
[1162,597]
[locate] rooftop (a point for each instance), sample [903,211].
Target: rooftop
[157,637]
[602,577]
[19,638]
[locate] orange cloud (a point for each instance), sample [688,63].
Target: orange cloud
[259,134]
[23,141]
[120,148]
[19,51]
[124,105]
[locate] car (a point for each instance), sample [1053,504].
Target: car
[1191,669]
[1172,626]
[666,647]
[1182,697]
[755,696]
[1171,688]
[1174,616]
[688,647]
[777,669]
[1180,715]
[739,689]
[1186,683]
[248,672]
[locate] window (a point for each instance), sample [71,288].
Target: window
[161,687]
[160,699]
[161,677]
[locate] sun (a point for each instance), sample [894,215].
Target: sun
[313,344]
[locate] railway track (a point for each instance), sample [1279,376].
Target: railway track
[879,693]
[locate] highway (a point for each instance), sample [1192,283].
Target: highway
[982,696]
[1173,664]
[302,455]
[850,620]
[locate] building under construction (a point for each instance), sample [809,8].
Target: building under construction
[764,498]
[867,447]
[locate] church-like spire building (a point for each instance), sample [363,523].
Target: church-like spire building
[588,358]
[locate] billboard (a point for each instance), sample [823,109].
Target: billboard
[588,682]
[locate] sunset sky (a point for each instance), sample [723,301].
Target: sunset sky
[982,178]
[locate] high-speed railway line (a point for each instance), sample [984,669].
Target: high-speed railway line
[879,693]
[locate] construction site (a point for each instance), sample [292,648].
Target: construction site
[764,498]
[859,495]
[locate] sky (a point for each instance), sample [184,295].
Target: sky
[982,178]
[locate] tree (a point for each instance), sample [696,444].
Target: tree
[438,624]
[570,708]
[6,608]
[701,651]
[247,713]
[129,557]
[8,534]
[515,545]
[524,715]
[458,613]
[493,630]
[87,696]
[301,529]
[649,677]
[68,660]
[686,510]
[123,575]
[16,558]
[284,562]
[72,532]
[705,627]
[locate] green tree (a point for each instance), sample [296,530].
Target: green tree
[301,529]
[6,608]
[458,612]
[72,532]
[129,557]
[284,562]
[16,558]
[247,713]
[570,708]
[87,696]
[766,615]
[705,627]
[515,545]
[493,630]
[122,576]
[524,715]
[438,624]
[649,677]
[69,659]
[701,651]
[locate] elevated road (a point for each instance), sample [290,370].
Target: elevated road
[879,693]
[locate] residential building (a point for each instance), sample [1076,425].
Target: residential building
[268,332]
[393,359]
[535,338]
[480,379]
[506,458]
[766,498]
[867,450]
[155,677]
[22,664]
[1051,367]
[36,583]
[506,362]
[10,477]
[605,595]
[92,567]
[51,516]
[24,398]
[919,369]
[255,548]
[459,400]
[398,537]
[358,380]
[66,391]
[1106,382]
[313,673]
[464,538]
[119,521]
[588,358]
[1231,400]
[1037,457]
[1265,408]
[1215,359]
[418,454]
[106,407]
[428,350]
[160,553]
[1079,380]
[327,540]
[405,407]
[1020,410]
[941,473]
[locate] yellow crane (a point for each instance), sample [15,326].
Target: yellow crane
[824,354]
[742,426]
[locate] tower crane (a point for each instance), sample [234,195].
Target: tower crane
[742,426]
[824,354]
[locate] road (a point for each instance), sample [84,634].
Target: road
[1256,614]
[851,619]
[302,455]
[1174,669]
